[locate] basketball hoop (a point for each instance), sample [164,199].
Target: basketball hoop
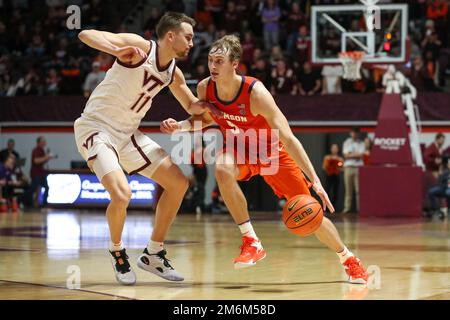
[351,61]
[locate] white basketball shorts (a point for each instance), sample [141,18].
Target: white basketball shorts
[106,150]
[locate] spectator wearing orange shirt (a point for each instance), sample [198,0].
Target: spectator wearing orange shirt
[332,165]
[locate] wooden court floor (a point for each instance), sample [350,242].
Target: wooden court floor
[43,253]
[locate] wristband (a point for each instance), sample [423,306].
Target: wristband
[185,125]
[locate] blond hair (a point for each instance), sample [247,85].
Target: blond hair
[230,44]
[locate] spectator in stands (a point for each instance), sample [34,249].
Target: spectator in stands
[419,76]
[38,173]
[431,43]
[7,184]
[231,20]
[353,150]
[283,80]
[295,18]
[270,17]
[155,15]
[52,82]
[261,71]
[276,54]
[216,9]
[200,72]
[248,48]
[332,79]
[203,15]
[9,151]
[309,82]
[299,46]
[93,79]
[202,41]
[71,78]
[29,85]
[441,190]
[332,165]
[433,154]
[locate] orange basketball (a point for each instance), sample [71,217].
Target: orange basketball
[302,215]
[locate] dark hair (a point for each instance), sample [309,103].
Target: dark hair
[39,139]
[440,135]
[356,130]
[172,21]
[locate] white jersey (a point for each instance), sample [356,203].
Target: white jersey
[123,98]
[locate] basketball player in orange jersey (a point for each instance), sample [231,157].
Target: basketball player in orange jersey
[241,104]
[108,138]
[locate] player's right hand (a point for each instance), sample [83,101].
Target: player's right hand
[318,188]
[169,126]
[130,55]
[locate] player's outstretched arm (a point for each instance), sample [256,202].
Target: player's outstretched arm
[184,95]
[127,47]
[200,117]
[193,123]
[263,103]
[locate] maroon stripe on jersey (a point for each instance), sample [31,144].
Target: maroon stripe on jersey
[235,98]
[160,69]
[92,158]
[150,50]
[251,86]
[131,66]
[117,155]
[173,73]
[141,152]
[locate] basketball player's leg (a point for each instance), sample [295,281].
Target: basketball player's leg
[106,166]
[117,186]
[95,147]
[144,156]
[329,236]
[175,184]
[227,174]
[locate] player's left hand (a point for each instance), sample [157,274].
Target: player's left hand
[318,188]
[169,126]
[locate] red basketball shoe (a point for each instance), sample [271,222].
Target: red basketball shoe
[355,271]
[251,252]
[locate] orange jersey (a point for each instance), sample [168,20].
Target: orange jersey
[238,119]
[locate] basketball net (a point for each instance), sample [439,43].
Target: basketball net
[351,61]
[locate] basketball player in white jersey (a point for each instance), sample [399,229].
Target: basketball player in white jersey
[108,138]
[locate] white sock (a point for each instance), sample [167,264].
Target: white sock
[247,230]
[154,246]
[344,254]
[115,246]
